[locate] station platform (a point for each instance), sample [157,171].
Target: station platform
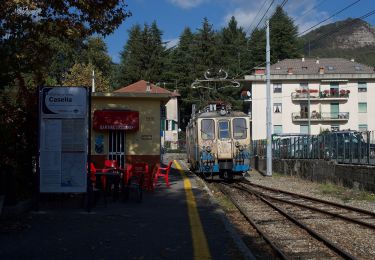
[170,223]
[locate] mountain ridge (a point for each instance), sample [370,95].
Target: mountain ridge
[350,38]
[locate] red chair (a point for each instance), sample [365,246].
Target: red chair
[92,173]
[162,172]
[110,164]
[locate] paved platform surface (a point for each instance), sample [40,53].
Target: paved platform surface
[157,228]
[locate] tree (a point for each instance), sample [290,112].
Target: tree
[81,75]
[142,56]
[234,48]
[204,49]
[283,33]
[24,26]
[95,52]
[129,69]
[257,47]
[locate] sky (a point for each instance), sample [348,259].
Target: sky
[172,16]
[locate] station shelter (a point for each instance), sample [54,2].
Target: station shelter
[126,124]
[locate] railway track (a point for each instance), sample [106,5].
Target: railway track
[298,226]
[351,214]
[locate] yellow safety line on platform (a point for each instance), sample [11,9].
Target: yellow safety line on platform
[200,245]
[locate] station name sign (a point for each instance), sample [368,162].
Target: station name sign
[64,101]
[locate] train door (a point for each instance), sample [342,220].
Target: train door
[224,143]
[117,146]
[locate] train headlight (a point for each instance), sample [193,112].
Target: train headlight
[208,149]
[237,144]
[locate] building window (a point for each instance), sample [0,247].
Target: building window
[304,85]
[362,127]
[277,87]
[277,129]
[335,127]
[163,111]
[170,125]
[362,107]
[362,87]
[277,107]
[304,129]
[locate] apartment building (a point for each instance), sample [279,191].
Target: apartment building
[313,95]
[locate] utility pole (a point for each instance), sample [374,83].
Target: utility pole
[308,109]
[93,81]
[268,109]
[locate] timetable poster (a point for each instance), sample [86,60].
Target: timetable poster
[63,139]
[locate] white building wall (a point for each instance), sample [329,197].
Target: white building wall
[288,107]
[259,110]
[370,105]
[172,114]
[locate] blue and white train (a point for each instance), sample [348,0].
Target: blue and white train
[218,143]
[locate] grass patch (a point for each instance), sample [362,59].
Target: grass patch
[277,175]
[346,194]
[221,199]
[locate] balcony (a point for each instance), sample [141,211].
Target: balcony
[315,95]
[319,117]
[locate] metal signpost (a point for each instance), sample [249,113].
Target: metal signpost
[63,139]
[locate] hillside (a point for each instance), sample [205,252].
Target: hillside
[351,38]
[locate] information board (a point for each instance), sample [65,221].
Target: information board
[63,136]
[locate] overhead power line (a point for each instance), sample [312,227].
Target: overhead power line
[252,22]
[309,10]
[264,14]
[284,3]
[338,12]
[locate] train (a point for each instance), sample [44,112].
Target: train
[218,143]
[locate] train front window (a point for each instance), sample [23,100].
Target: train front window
[239,128]
[207,129]
[224,129]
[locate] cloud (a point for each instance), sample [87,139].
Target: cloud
[305,13]
[187,4]
[246,13]
[170,43]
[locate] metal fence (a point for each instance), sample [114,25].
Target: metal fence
[341,146]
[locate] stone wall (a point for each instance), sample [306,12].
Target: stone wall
[348,175]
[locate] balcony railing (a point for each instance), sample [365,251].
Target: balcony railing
[322,95]
[324,116]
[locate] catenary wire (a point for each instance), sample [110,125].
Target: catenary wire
[333,15]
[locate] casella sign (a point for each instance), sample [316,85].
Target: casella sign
[64,101]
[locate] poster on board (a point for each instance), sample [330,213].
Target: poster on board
[63,139]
